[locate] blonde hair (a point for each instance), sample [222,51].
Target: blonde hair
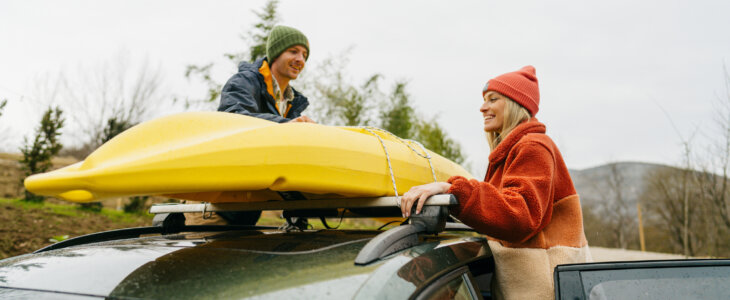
[514,114]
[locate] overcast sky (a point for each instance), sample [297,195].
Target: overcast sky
[607,69]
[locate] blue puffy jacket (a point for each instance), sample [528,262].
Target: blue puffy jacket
[247,93]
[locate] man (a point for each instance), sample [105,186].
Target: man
[261,89]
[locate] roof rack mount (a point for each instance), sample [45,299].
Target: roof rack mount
[436,200]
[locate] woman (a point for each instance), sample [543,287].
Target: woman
[526,205]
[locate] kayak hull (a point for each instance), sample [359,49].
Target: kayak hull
[224,157]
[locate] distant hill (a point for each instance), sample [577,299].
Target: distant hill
[594,185]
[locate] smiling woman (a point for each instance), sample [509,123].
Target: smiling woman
[501,115]
[526,205]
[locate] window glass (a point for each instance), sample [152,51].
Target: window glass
[657,283]
[458,288]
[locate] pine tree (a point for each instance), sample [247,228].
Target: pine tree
[2,106]
[268,18]
[398,115]
[37,155]
[433,137]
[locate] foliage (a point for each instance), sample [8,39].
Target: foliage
[58,238]
[203,73]
[433,137]
[136,204]
[337,101]
[679,200]
[616,214]
[691,204]
[340,103]
[37,155]
[2,106]
[257,38]
[268,19]
[92,206]
[113,127]
[398,116]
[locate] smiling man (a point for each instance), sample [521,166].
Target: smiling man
[261,89]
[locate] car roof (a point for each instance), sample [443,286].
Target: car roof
[257,262]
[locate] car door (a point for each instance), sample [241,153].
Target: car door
[674,279]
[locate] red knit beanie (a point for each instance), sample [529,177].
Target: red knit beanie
[520,86]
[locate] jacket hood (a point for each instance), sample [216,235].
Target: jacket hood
[251,66]
[531,126]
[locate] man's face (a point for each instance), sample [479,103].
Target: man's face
[290,62]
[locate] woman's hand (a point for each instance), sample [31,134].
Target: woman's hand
[420,193]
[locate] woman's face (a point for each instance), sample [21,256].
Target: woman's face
[493,111]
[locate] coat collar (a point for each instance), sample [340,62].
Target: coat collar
[500,153]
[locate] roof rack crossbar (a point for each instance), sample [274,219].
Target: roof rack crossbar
[436,200]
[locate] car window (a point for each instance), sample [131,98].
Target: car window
[455,285]
[458,288]
[708,282]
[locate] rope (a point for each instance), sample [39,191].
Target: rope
[408,143]
[390,166]
[428,157]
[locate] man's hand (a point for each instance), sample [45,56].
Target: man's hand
[303,119]
[421,193]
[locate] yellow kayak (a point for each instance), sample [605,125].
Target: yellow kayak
[225,157]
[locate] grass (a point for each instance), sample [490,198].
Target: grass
[72,210]
[27,226]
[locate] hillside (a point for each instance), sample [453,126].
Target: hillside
[27,226]
[11,173]
[594,185]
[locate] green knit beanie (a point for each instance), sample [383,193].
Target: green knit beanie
[282,38]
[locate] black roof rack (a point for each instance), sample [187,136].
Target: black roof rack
[169,219]
[431,220]
[323,204]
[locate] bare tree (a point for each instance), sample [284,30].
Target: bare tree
[718,190]
[685,212]
[615,210]
[109,94]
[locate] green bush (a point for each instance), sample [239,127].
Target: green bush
[37,154]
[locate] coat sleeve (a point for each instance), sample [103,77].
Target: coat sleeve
[238,96]
[521,207]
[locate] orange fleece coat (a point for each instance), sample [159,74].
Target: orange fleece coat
[528,208]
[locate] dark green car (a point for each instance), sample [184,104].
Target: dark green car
[248,263]
[427,258]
